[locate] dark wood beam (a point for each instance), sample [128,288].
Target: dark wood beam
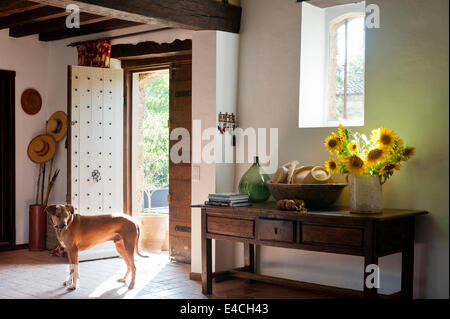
[329,3]
[143,64]
[9,4]
[108,25]
[149,49]
[39,14]
[52,25]
[157,55]
[187,14]
[8,7]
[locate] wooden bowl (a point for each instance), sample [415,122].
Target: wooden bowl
[314,195]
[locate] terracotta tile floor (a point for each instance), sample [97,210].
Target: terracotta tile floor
[25,274]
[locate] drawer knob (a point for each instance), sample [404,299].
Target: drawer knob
[276,230]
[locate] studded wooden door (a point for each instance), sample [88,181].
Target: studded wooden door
[180,173]
[96,145]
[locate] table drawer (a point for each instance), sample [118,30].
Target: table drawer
[243,228]
[276,230]
[331,235]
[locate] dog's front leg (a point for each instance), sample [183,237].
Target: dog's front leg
[73,258]
[69,280]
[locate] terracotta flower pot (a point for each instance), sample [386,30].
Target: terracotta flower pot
[153,231]
[165,246]
[37,225]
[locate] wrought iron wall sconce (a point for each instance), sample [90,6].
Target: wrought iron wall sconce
[227,123]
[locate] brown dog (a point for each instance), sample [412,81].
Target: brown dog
[77,233]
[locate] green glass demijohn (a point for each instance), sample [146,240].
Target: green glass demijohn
[253,183]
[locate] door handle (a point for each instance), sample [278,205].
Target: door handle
[169,199]
[96,176]
[183,229]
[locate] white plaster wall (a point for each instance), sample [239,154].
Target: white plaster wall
[203,109]
[407,90]
[29,58]
[227,65]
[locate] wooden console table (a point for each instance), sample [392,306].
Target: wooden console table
[335,231]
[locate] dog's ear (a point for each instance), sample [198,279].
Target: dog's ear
[51,210]
[70,208]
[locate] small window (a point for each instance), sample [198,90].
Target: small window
[332,65]
[346,71]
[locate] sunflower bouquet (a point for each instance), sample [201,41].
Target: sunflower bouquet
[381,154]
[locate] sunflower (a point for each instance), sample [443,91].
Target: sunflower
[398,142]
[389,167]
[383,137]
[342,133]
[408,152]
[331,165]
[375,156]
[353,147]
[354,164]
[333,143]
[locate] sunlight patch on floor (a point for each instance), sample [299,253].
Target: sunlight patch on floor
[147,269]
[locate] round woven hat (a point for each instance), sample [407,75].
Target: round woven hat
[31,101]
[57,125]
[41,149]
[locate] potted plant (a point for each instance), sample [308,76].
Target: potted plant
[368,163]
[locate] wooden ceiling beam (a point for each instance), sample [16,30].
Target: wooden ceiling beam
[186,14]
[157,55]
[143,64]
[149,49]
[329,3]
[103,26]
[52,25]
[39,14]
[8,7]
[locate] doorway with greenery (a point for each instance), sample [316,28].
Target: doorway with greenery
[152,173]
[151,157]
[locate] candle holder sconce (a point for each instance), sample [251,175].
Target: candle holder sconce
[227,123]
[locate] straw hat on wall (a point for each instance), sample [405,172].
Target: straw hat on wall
[57,125]
[41,149]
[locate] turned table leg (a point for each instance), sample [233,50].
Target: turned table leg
[206,266]
[249,257]
[370,258]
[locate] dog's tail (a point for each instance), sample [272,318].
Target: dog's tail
[137,243]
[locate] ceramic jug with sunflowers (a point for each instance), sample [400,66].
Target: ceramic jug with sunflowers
[365,193]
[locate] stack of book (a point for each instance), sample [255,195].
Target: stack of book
[228,200]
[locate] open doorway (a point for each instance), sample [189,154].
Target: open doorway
[166,85]
[150,156]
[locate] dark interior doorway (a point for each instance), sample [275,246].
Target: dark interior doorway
[7,163]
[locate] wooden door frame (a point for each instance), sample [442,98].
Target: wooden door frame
[130,67]
[9,158]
